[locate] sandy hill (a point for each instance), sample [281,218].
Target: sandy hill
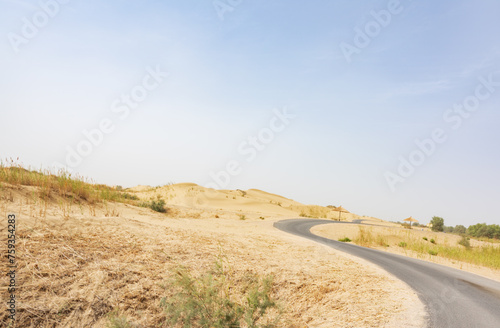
[251,202]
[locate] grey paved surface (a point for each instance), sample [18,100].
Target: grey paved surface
[453,298]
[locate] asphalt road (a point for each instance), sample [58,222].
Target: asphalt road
[453,298]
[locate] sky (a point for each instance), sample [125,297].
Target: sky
[388,108]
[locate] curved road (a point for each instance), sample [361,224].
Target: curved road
[453,298]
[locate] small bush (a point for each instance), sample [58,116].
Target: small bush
[433,252]
[156,205]
[433,241]
[126,195]
[464,242]
[262,218]
[243,217]
[364,237]
[402,244]
[208,302]
[425,238]
[345,240]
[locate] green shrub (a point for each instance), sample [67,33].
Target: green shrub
[126,195]
[208,301]
[157,205]
[433,241]
[262,218]
[433,252]
[425,238]
[402,244]
[243,217]
[464,242]
[345,240]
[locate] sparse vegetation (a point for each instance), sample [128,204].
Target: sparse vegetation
[365,237]
[311,211]
[63,184]
[406,225]
[487,256]
[116,321]
[126,195]
[157,205]
[465,241]
[345,240]
[382,241]
[242,217]
[212,301]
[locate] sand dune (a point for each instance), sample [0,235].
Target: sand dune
[252,201]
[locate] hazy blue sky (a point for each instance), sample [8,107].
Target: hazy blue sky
[363,79]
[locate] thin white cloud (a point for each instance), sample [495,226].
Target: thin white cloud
[491,60]
[418,89]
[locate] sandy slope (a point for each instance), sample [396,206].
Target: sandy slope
[79,262]
[253,202]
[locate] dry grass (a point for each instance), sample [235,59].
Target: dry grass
[487,255]
[62,184]
[76,273]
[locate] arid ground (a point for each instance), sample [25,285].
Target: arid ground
[82,264]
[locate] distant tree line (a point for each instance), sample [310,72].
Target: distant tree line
[479,230]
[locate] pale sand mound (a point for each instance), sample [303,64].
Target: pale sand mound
[79,262]
[251,201]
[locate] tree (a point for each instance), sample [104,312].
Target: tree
[460,229]
[437,223]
